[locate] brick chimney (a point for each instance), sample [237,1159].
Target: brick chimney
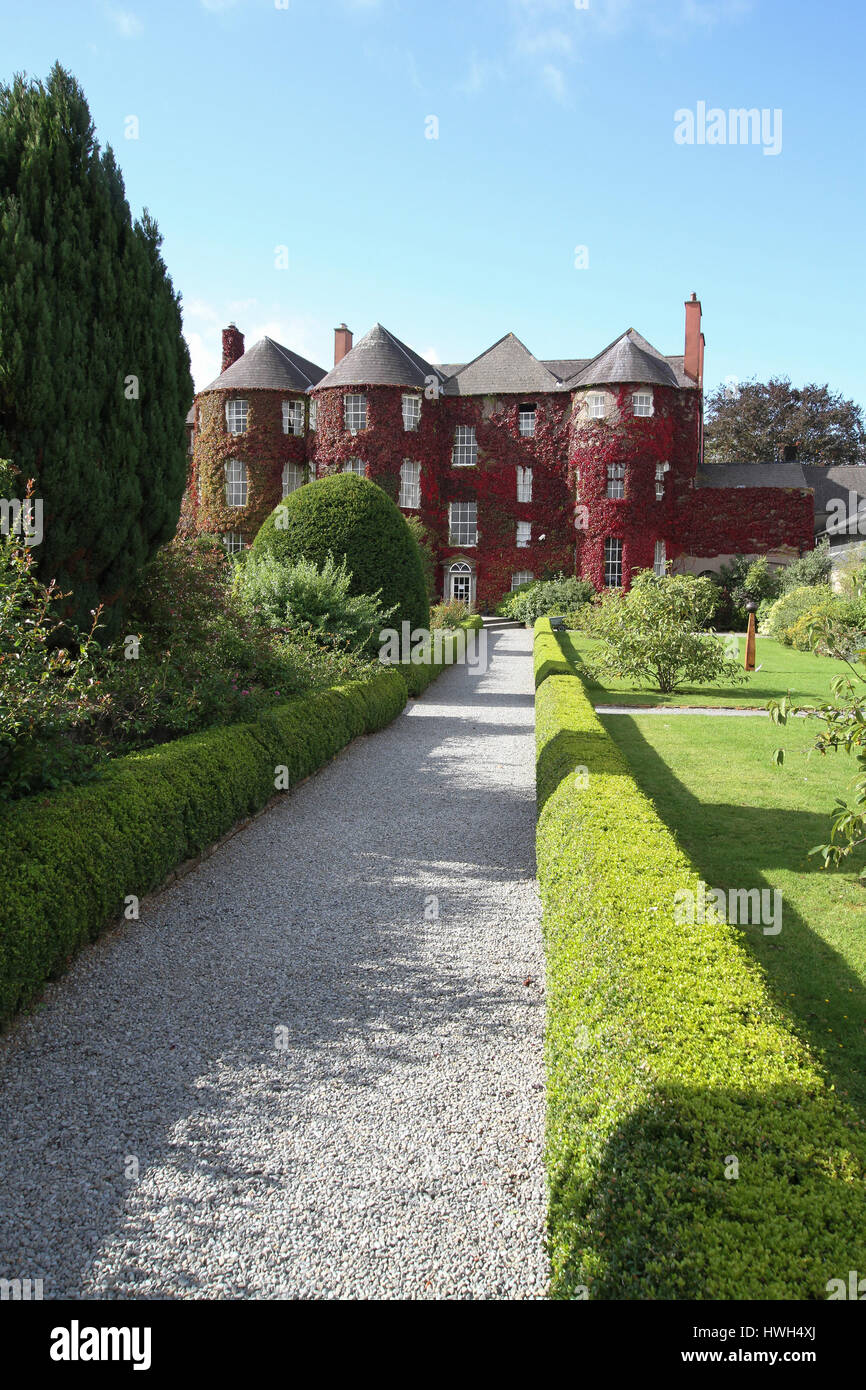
[693,363]
[342,342]
[233,346]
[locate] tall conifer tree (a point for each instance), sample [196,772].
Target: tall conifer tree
[94,371]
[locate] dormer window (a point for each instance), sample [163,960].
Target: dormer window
[355,413]
[411,412]
[526,421]
[596,405]
[293,417]
[236,416]
[465,451]
[616,480]
[643,402]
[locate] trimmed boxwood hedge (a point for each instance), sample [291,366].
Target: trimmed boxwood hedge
[667,1057]
[548,654]
[68,860]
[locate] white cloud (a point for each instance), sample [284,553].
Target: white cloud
[127,24]
[205,360]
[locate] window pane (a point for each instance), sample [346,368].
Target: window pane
[236,416]
[613,563]
[355,412]
[236,483]
[411,412]
[524,533]
[465,451]
[293,478]
[410,483]
[463,527]
[355,465]
[526,421]
[524,484]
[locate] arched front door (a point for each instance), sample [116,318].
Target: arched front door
[460,579]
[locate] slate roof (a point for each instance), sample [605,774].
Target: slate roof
[754,475]
[380,359]
[190,415]
[268,366]
[628,358]
[505,368]
[834,482]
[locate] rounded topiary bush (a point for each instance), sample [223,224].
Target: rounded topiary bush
[351,517]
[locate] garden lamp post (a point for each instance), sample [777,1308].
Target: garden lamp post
[749,663]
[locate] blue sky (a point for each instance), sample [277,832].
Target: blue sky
[305,126]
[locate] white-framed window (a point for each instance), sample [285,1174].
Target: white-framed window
[293,417]
[616,480]
[237,485]
[355,413]
[411,411]
[311,469]
[314,412]
[521,577]
[236,416]
[189,450]
[355,465]
[643,402]
[524,484]
[526,416]
[613,563]
[659,559]
[233,542]
[460,582]
[596,405]
[524,533]
[410,483]
[463,523]
[293,478]
[661,472]
[465,451]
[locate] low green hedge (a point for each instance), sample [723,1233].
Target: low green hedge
[667,1058]
[549,659]
[68,860]
[418,676]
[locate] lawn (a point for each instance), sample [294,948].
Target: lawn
[748,824]
[805,675]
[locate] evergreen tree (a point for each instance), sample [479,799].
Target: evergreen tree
[94,371]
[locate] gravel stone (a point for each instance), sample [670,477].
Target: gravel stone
[288,1080]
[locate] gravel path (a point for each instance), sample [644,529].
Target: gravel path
[289,1078]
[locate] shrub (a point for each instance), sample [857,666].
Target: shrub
[648,633]
[304,596]
[419,674]
[68,860]
[426,542]
[505,608]
[547,596]
[450,614]
[351,518]
[811,569]
[790,606]
[665,1054]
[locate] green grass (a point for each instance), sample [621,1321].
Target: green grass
[745,823]
[808,678]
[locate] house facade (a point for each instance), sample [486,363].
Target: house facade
[518,467]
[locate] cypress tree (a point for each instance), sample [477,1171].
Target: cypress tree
[94,371]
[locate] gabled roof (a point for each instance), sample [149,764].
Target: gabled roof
[268,366]
[629,358]
[380,359]
[507,366]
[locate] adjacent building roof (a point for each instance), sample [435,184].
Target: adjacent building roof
[834,484]
[268,366]
[628,358]
[754,475]
[380,359]
[506,367]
